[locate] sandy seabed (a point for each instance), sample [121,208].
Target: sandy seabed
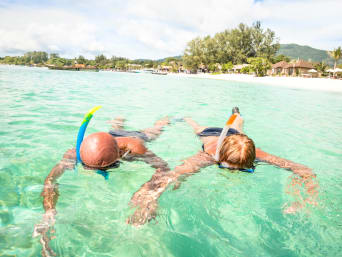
[323,84]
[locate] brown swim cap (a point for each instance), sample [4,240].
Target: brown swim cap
[99,150]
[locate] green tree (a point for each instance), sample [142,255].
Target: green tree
[54,55]
[259,65]
[212,67]
[101,60]
[245,69]
[321,67]
[280,58]
[81,60]
[236,46]
[336,55]
[193,54]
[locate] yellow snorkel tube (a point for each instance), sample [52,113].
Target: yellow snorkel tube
[224,132]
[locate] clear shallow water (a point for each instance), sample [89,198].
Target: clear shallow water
[213,213]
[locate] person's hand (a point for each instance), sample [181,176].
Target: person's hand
[143,214]
[294,189]
[42,229]
[48,221]
[293,208]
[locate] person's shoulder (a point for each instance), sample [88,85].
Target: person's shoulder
[210,146]
[133,144]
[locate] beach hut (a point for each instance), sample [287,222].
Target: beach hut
[279,68]
[298,68]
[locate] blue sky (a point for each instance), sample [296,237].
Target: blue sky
[156,29]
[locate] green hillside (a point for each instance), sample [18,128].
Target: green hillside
[307,53]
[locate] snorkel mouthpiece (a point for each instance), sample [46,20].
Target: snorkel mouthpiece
[229,122]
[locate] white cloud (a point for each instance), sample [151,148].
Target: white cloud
[43,29]
[154,28]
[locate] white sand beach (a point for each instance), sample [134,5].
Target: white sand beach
[323,84]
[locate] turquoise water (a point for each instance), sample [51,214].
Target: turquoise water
[213,213]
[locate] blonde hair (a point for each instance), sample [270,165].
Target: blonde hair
[238,151]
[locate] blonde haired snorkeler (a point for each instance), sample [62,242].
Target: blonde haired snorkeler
[228,148]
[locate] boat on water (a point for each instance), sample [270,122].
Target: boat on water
[76,67]
[134,71]
[159,73]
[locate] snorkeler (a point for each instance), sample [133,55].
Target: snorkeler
[99,151]
[236,151]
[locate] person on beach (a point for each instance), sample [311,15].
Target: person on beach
[237,152]
[99,151]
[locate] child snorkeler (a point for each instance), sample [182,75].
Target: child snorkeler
[99,151]
[237,152]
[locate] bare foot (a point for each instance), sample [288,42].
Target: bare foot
[117,123]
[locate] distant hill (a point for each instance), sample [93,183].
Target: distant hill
[293,51]
[178,57]
[307,53]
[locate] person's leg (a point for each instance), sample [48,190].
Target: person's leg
[238,123]
[155,131]
[117,123]
[196,127]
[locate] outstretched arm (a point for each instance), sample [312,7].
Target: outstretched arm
[50,197]
[299,169]
[151,159]
[306,178]
[154,132]
[145,199]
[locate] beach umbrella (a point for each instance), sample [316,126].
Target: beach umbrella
[312,71]
[330,70]
[338,70]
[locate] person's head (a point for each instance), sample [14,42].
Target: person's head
[238,151]
[99,150]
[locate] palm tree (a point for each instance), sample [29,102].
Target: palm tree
[336,55]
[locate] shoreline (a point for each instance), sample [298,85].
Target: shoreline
[321,84]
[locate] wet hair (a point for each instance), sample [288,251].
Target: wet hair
[238,151]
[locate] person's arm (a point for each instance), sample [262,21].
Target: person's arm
[145,199]
[50,196]
[306,178]
[299,169]
[50,191]
[151,159]
[155,131]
